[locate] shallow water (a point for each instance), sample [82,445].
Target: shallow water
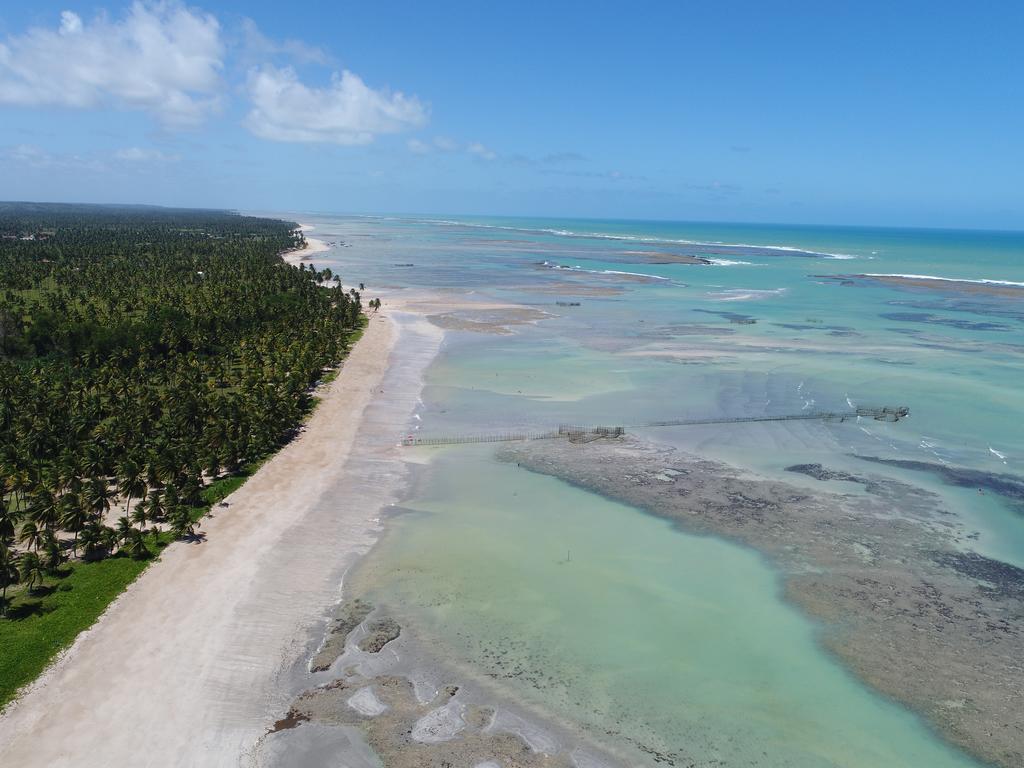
[612,619]
[680,642]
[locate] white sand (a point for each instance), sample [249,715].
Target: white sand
[365,702]
[187,666]
[313,246]
[441,724]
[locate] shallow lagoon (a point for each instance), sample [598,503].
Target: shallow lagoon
[598,615]
[677,642]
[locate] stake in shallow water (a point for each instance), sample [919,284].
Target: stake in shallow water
[580,434]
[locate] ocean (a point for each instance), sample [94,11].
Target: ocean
[639,635]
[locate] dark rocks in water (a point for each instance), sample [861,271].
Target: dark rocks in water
[732,317]
[405,265]
[833,330]
[1005,579]
[797,326]
[980,306]
[925,317]
[692,329]
[293,719]
[818,472]
[381,632]
[567,303]
[349,616]
[1008,486]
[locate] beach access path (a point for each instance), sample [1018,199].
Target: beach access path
[185,667]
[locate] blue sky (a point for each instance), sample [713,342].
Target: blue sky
[861,113]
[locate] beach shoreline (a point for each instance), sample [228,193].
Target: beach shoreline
[187,662]
[313,246]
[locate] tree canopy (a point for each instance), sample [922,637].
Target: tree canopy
[143,352]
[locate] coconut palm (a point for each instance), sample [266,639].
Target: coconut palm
[32,570]
[135,545]
[142,354]
[45,509]
[52,554]
[31,535]
[130,483]
[97,496]
[9,574]
[8,519]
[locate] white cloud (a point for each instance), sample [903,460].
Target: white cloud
[70,23]
[478,149]
[29,156]
[449,145]
[346,112]
[258,47]
[445,144]
[140,155]
[417,147]
[162,58]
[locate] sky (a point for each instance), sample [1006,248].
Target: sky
[875,113]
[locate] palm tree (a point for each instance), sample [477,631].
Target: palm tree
[45,509]
[9,574]
[31,535]
[139,517]
[74,518]
[130,483]
[135,545]
[109,538]
[32,570]
[93,541]
[53,555]
[97,496]
[182,524]
[7,520]
[224,342]
[123,529]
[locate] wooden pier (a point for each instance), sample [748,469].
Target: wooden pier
[587,434]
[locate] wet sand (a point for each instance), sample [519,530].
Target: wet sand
[882,567]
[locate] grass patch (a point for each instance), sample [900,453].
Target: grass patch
[40,625]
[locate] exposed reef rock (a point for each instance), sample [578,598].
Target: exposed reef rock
[903,604]
[381,632]
[350,614]
[407,733]
[1010,487]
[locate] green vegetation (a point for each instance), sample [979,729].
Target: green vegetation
[149,360]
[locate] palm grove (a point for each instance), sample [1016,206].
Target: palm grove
[144,352]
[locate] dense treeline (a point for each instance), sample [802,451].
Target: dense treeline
[144,352]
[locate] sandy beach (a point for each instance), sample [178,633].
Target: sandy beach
[313,247]
[184,668]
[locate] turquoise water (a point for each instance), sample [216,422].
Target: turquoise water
[612,620]
[678,642]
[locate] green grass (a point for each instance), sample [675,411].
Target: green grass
[39,626]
